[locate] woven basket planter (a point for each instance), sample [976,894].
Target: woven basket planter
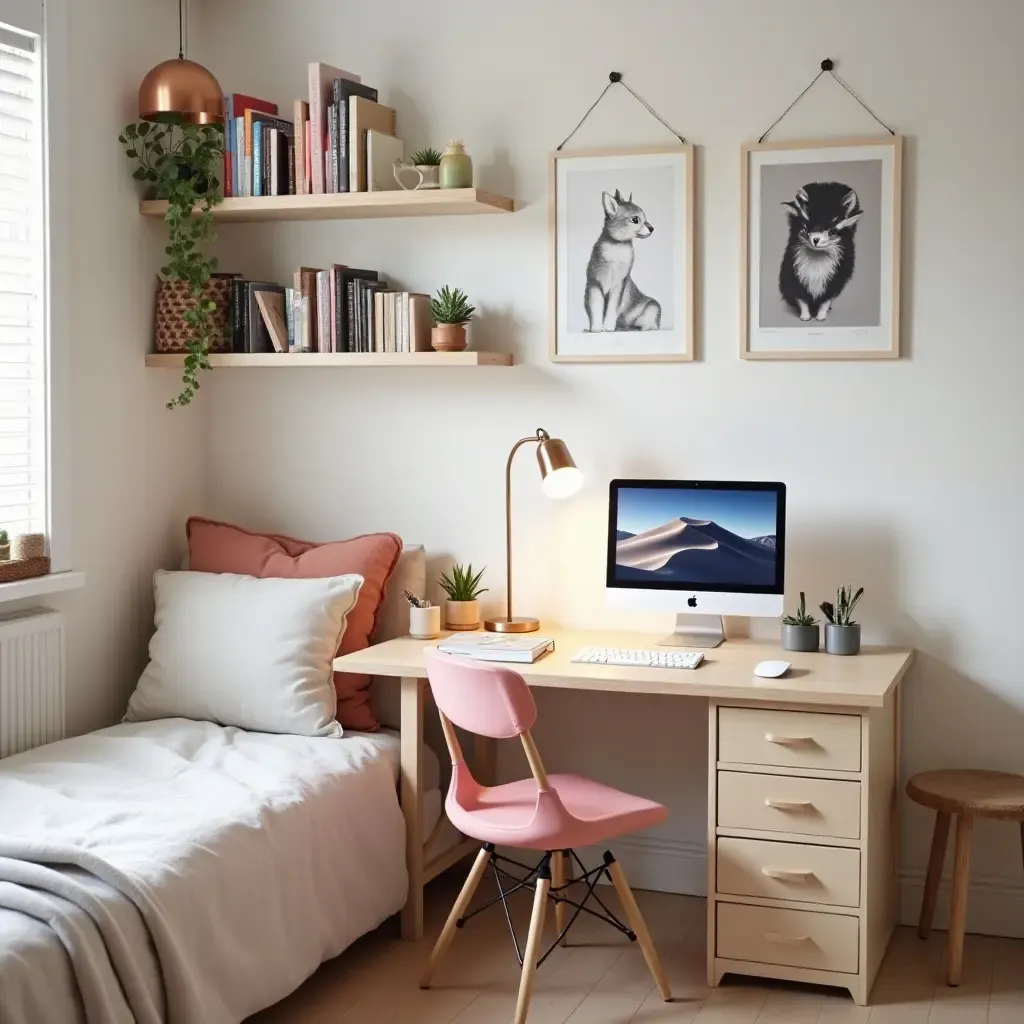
[24,568]
[173,298]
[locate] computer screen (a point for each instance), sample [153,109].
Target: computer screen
[698,535]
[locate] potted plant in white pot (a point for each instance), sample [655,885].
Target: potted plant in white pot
[462,610]
[842,634]
[452,312]
[800,631]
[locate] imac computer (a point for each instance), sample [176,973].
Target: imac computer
[699,548]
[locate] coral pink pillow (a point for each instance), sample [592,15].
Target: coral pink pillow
[218,547]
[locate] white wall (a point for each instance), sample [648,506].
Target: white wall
[138,470]
[904,477]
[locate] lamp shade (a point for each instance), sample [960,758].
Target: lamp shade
[181,88]
[559,476]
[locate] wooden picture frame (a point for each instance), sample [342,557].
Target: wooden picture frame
[845,303]
[591,204]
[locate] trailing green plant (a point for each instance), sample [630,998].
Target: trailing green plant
[428,157]
[181,162]
[802,617]
[841,613]
[451,306]
[463,584]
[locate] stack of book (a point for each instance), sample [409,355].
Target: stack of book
[339,140]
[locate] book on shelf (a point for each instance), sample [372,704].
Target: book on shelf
[258,128]
[343,90]
[345,321]
[323,311]
[421,320]
[300,120]
[496,647]
[364,115]
[321,95]
[271,303]
[257,336]
[289,317]
[235,105]
[305,321]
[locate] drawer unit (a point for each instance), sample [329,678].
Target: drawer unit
[789,739]
[788,871]
[796,938]
[782,803]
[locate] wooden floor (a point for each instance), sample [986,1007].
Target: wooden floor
[601,978]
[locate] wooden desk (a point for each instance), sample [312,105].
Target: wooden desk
[802,774]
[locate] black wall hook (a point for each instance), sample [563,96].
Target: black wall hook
[615,76]
[827,65]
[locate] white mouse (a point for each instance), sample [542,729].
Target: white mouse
[771,669]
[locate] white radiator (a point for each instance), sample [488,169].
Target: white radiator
[31,680]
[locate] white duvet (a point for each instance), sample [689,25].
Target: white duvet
[258,856]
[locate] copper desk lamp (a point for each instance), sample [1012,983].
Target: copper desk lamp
[559,479]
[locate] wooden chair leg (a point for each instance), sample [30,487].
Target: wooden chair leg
[558,881]
[533,942]
[958,904]
[639,925]
[1022,840]
[448,932]
[940,837]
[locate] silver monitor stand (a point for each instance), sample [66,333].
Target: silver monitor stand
[695,631]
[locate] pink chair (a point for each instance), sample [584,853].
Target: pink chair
[549,813]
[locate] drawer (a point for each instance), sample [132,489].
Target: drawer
[785,803]
[791,739]
[788,871]
[797,938]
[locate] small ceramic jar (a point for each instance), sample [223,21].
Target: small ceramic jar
[456,167]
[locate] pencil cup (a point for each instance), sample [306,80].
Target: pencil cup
[425,623]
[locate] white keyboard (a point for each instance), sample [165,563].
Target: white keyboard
[641,659]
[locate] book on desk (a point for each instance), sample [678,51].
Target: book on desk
[491,647]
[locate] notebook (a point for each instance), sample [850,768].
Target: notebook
[496,647]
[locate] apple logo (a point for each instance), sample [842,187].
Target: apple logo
[691,602]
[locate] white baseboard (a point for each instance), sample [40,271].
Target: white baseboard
[995,906]
[659,864]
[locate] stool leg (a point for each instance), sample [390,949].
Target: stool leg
[533,941]
[1022,839]
[558,881]
[448,932]
[931,883]
[958,905]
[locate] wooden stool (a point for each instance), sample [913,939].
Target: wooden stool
[968,794]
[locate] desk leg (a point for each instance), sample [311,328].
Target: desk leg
[485,760]
[411,793]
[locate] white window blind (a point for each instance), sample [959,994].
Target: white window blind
[23,412]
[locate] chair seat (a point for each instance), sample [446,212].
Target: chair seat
[509,814]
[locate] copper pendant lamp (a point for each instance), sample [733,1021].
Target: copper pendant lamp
[181,88]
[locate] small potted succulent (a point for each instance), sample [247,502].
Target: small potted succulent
[842,634]
[800,631]
[5,546]
[452,312]
[462,610]
[428,163]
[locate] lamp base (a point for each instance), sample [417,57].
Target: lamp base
[515,624]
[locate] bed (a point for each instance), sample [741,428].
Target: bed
[209,823]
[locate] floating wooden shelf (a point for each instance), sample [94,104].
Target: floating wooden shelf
[352,205]
[280,360]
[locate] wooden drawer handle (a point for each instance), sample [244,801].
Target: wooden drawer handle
[789,805]
[787,874]
[789,741]
[786,940]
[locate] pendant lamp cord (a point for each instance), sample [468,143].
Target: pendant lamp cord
[181,30]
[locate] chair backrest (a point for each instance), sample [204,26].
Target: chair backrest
[481,697]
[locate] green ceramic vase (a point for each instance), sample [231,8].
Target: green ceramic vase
[456,167]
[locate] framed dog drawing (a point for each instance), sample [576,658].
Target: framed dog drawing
[821,249]
[622,255]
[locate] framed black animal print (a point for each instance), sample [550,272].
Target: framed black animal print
[622,255]
[821,249]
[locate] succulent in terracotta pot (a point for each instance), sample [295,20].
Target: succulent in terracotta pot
[452,312]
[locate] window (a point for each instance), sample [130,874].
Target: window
[24,441]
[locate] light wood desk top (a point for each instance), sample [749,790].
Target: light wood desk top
[727,672]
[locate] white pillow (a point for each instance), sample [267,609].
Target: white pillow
[247,652]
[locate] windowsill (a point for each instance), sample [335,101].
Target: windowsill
[51,583]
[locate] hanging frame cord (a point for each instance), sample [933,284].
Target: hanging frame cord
[181,30]
[826,69]
[615,78]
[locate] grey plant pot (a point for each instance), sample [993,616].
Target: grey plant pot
[800,638]
[842,639]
